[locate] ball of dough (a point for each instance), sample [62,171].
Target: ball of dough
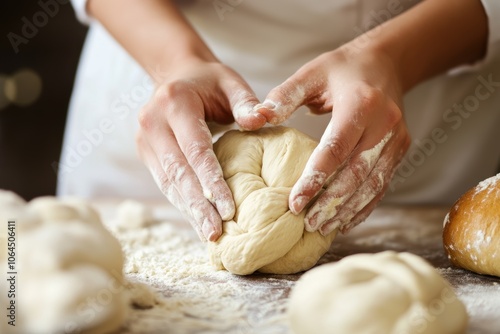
[69,264]
[260,168]
[471,234]
[132,214]
[388,293]
[10,199]
[51,209]
[13,208]
[82,299]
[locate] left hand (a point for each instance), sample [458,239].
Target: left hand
[363,144]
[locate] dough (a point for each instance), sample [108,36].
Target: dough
[388,293]
[471,234]
[260,168]
[70,267]
[132,214]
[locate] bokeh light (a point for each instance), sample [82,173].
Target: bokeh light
[23,88]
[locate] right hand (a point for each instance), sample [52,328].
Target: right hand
[175,143]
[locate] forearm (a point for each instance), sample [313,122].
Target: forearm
[432,37]
[154,32]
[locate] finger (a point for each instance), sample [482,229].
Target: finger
[370,191]
[344,185]
[335,147]
[369,114]
[177,169]
[242,101]
[358,218]
[183,178]
[284,99]
[195,141]
[148,157]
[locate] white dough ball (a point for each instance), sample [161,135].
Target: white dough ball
[53,210]
[81,299]
[9,198]
[66,259]
[388,293]
[132,214]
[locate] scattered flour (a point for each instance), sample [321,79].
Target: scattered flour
[191,296]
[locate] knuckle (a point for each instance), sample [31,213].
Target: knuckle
[373,100]
[196,153]
[162,181]
[174,169]
[197,207]
[338,151]
[139,139]
[376,182]
[359,173]
[171,90]
[169,93]
[146,118]
[166,187]
[370,98]
[394,115]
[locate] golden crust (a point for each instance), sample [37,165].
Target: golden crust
[471,234]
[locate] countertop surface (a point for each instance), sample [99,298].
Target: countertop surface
[191,297]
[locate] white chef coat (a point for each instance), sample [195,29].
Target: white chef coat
[453,119]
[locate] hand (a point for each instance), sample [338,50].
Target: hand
[363,144]
[175,143]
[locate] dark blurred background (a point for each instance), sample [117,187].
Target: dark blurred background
[39,52]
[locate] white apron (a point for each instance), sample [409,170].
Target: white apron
[454,124]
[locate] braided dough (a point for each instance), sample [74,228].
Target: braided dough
[260,168]
[387,292]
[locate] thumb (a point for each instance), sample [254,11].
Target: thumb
[242,101]
[283,100]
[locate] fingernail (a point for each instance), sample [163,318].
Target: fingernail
[208,231]
[265,105]
[329,227]
[268,104]
[298,204]
[311,223]
[226,210]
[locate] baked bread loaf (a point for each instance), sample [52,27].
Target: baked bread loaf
[471,232]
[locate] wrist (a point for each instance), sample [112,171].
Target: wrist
[171,60]
[154,32]
[426,40]
[378,67]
